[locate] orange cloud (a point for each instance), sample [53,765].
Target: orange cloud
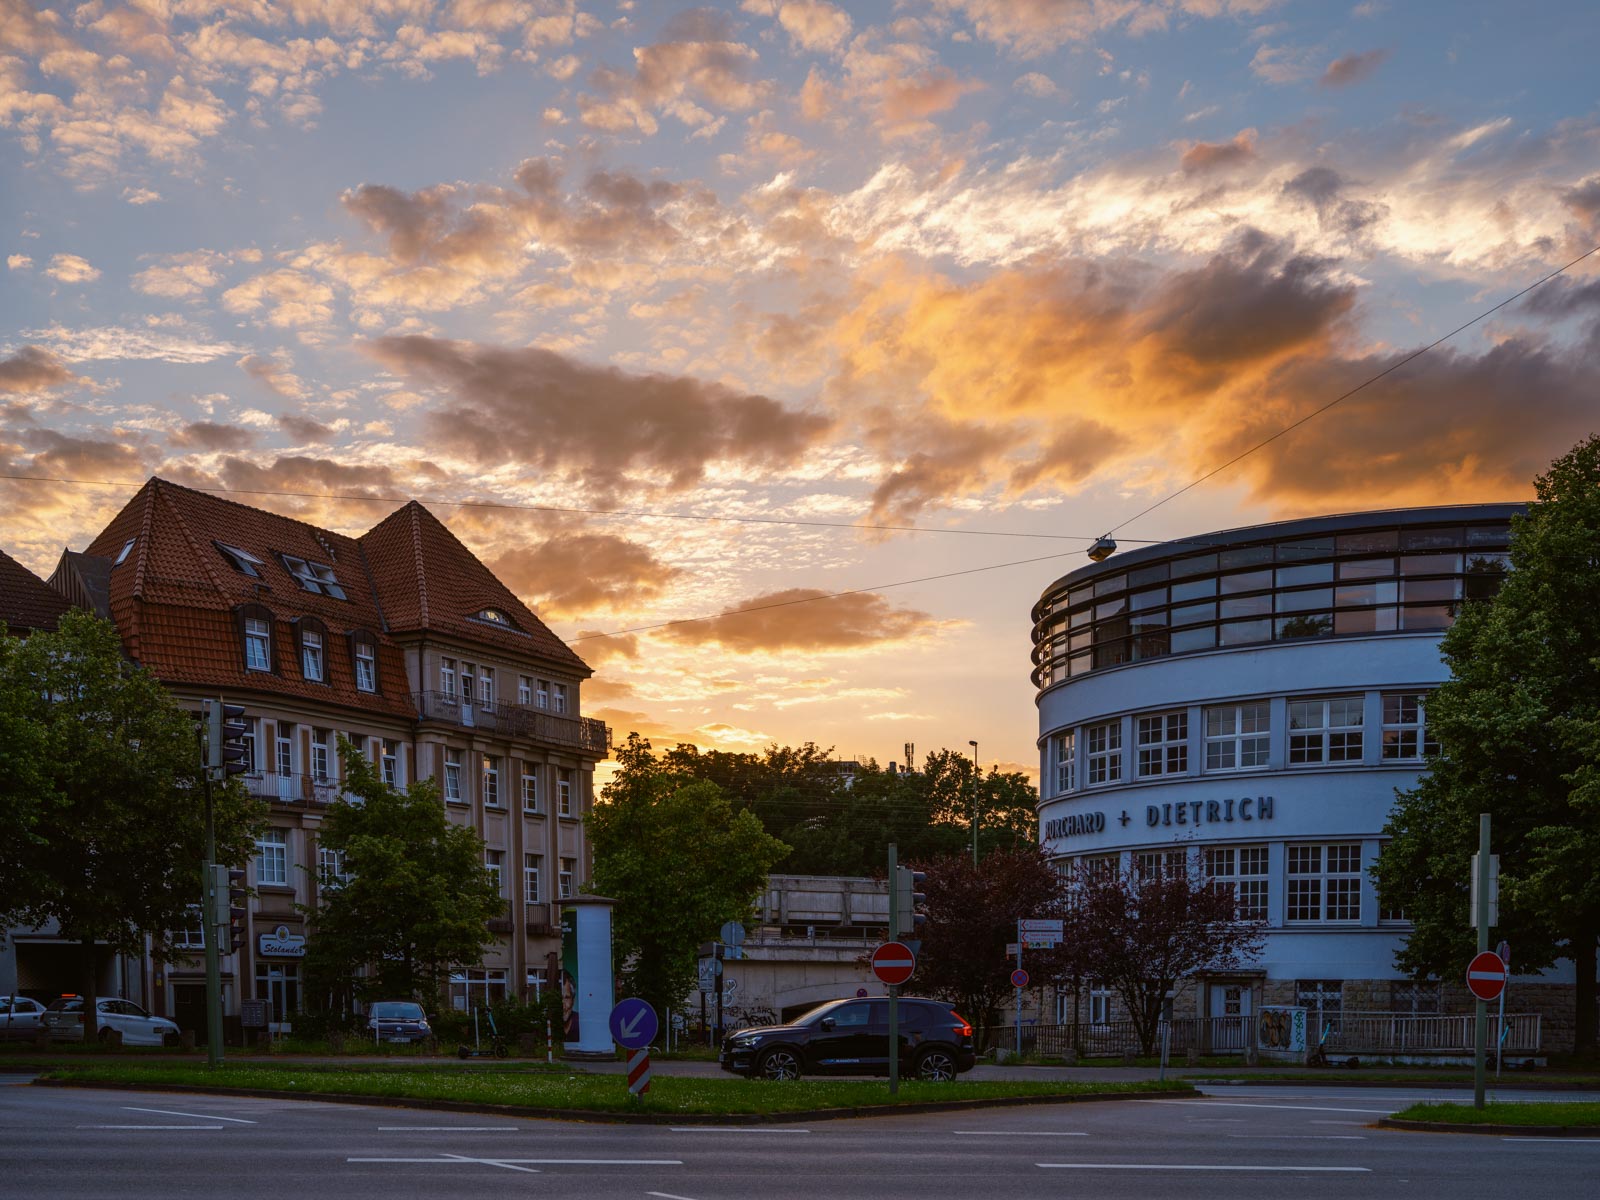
[806,619]
[574,573]
[1352,68]
[1209,156]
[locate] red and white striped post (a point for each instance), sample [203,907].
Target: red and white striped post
[638,1072]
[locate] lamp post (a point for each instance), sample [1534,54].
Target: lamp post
[974,746]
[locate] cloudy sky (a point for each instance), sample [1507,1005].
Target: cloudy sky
[652,303]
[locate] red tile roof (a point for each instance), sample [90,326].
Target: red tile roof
[27,602]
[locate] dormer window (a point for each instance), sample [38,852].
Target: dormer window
[240,560]
[496,616]
[255,634]
[127,549]
[313,637]
[314,577]
[364,654]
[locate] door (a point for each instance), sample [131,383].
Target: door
[1230,1017]
[846,1046]
[189,1009]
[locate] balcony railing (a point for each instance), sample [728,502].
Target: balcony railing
[515,720]
[297,788]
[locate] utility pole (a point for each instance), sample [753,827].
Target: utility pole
[974,746]
[894,991]
[210,929]
[1481,889]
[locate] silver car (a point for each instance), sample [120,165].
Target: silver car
[137,1027]
[19,1017]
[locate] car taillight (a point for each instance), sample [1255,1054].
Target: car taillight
[962,1027]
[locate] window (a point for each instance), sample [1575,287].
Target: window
[491,781]
[494,863]
[1163,744]
[1323,1000]
[278,983]
[532,864]
[272,858]
[486,686]
[255,627]
[559,697]
[283,760]
[466,683]
[319,755]
[240,560]
[452,776]
[542,696]
[1105,752]
[1418,999]
[311,664]
[122,555]
[1155,864]
[496,616]
[537,981]
[564,793]
[1244,870]
[331,871]
[191,937]
[1325,882]
[447,677]
[569,868]
[1325,730]
[530,788]
[477,988]
[365,653]
[1406,737]
[314,577]
[524,691]
[1066,750]
[389,762]
[1238,736]
[1099,1005]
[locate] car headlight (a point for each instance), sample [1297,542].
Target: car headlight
[744,1043]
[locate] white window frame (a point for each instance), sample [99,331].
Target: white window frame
[532,868]
[494,862]
[283,752]
[558,697]
[491,781]
[1156,864]
[243,561]
[1242,869]
[272,858]
[564,793]
[319,755]
[1406,736]
[530,790]
[389,762]
[314,577]
[447,677]
[331,871]
[313,663]
[1238,737]
[366,658]
[1314,738]
[569,871]
[1104,745]
[542,695]
[192,934]
[1065,748]
[1323,883]
[524,691]
[1162,740]
[486,687]
[257,644]
[452,777]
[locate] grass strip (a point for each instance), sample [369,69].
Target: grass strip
[669,1095]
[1580,1114]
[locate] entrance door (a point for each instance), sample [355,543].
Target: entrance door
[1230,1013]
[189,1009]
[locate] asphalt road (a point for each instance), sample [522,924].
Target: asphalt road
[1254,1140]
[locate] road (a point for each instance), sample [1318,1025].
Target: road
[1306,1141]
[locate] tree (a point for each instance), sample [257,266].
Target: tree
[972,915]
[415,897]
[100,785]
[1144,934]
[679,861]
[1518,728]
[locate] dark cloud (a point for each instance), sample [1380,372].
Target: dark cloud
[1211,156]
[699,25]
[210,435]
[1583,199]
[1353,68]
[302,428]
[575,573]
[1323,188]
[322,480]
[598,647]
[944,459]
[807,620]
[541,409]
[83,458]
[33,370]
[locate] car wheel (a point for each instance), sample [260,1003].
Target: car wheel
[938,1066]
[781,1063]
[170,1039]
[463,1053]
[107,1036]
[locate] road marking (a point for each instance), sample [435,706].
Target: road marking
[152,1126]
[167,1112]
[667,1196]
[447,1128]
[732,1129]
[543,1162]
[1294,1107]
[1548,1139]
[1195,1167]
[1305,1137]
[1016,1133]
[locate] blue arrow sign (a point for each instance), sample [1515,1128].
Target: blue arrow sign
[634,1023]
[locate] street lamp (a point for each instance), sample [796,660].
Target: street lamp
[974,746]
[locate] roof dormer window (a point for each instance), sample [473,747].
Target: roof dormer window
[241,560]
[127,549]
[314,577]
[496,616]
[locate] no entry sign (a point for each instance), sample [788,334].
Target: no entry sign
[893,962]
[1486,975]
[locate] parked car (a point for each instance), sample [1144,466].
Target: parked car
[137,1027]
[851,1037]
[19,1017]
[400,1021]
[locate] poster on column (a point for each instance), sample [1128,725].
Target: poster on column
[569,974]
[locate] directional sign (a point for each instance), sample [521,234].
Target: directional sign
[1019,978]
[1486,975]
[893,962]
[633,1023]
[1043,927]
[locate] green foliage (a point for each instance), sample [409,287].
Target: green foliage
[679,861]
[417,901]
[102,817]
[1518,725]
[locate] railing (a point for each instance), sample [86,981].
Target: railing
[515,720]
[1349,1033]
[297,788]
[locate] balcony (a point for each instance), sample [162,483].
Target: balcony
[515,720]
[297,789]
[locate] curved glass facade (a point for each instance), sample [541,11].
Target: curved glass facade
[1368,573]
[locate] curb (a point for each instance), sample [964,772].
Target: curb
[1465,1085]
[614,1118]
[1555,1131]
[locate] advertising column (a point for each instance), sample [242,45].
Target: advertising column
[587,992]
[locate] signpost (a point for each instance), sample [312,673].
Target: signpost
[633,1026]
[1492,973]
[1504,951]
[1036,933]
[893,963]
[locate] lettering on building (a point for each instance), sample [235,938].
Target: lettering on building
[1076,825]
[1209,812]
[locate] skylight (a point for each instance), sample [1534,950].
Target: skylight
[122,555]
[314,577]
[242,560]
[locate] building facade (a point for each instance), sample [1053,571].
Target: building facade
[1248,702]
[399,641]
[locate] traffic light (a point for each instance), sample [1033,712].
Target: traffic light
[908,897]
[226,730]
[227,900]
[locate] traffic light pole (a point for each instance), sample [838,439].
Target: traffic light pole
[1480,1041]
[894,992]
[213,936]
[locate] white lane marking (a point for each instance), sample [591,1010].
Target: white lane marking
[732,1129]
[544,1162]
[1548,1139]
[492,1162]
[167,1112]
[1304,1137]
[152,1126]
[1346,1124]
[1196,1167]
[447,1128]
[667,1196]
[1294,1107]
[1016,1133]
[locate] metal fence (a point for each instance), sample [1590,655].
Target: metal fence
[515,720]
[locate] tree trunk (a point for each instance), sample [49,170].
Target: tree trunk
[91,1012]
[1583,963]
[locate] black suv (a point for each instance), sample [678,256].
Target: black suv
[851,1037]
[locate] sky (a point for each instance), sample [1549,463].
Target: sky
[673,311]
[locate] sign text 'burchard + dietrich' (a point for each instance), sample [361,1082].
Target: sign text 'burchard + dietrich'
[1184,812]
